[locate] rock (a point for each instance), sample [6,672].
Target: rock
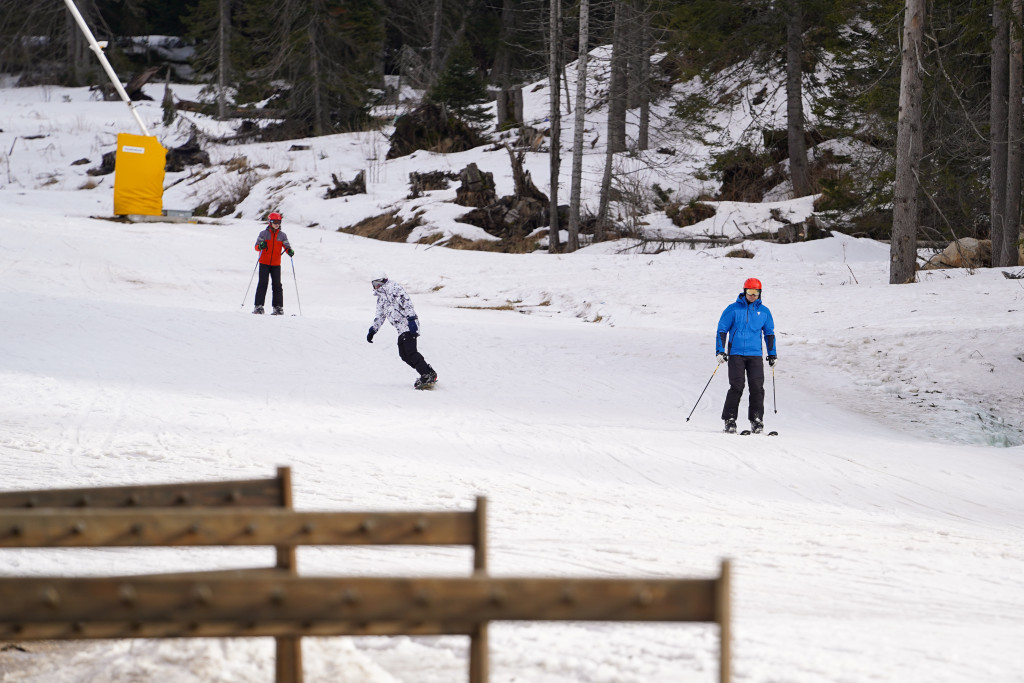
[810,229]
[965,252]
[106,164]
[188,154]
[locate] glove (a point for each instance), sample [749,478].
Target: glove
[722,357]
[413,324]
[771,360]
[262,244]
[291,252]
[369,335]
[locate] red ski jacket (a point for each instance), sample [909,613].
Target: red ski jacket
[277,244]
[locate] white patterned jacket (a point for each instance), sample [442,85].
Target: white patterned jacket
[394,305]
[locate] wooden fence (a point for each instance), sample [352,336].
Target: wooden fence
[276,601]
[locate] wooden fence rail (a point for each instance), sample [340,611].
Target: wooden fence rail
[41,528]
[240,493]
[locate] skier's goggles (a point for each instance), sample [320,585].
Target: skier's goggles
[275,223]
[378,283]
[752,291]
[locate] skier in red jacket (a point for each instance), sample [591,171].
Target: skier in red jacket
[271,243]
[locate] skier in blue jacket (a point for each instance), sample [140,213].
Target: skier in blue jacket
[738,342]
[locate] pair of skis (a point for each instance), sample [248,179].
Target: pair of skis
[747,432]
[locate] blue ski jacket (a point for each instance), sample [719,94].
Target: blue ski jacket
[744,324]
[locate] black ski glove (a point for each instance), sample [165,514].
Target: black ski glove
[369,335]
[291,252]
[771,360]
[262,245]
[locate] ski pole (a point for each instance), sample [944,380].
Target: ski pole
[251,277]
[702,393]
[775,405]
[296,285]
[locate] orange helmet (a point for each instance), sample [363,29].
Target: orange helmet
[752,283]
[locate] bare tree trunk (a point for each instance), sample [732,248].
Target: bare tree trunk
[578,127]
[501,109]
[435,41]
[643,78]
[82,60]
[633,39]
[319,114]
[903,247]
[617,85]
[998,106]
[77,52]
[501,71]
[555,119]
[798,171]
[565,83]
[601,224]
[1011,229]
[223,38]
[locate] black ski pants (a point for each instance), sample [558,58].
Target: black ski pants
[753,368]
[407,352]
[274,274]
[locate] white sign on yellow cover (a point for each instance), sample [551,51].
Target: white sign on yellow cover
[139,175]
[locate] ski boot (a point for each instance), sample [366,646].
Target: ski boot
[258,310]
[278,310]
[756,426]
[425,380]
[730,426]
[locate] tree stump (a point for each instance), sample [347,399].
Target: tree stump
[345,189]
[477,189]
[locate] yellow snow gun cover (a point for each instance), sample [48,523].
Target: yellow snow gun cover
[139,175]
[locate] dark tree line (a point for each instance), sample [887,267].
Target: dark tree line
[321,65]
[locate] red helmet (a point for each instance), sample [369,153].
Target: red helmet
[274,216]
[751,283]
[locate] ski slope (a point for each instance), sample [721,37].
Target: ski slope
[866,547]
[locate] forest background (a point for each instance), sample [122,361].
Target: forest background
[943,79]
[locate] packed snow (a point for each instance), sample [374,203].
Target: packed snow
[878,538]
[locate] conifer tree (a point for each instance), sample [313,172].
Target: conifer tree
[863,102]
[461,89]
[322,54]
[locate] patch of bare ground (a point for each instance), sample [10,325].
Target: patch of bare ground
[388,227]
[509,245]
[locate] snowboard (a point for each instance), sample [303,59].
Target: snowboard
[425,385]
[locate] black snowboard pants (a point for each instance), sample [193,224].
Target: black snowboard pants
[407,352]
[753,368]
[274,274]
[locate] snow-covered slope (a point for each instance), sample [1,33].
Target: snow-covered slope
[877,539]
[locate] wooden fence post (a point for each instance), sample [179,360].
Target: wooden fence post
[723,609]
[479,663]
[288,665]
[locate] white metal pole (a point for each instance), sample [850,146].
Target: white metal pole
[95,47]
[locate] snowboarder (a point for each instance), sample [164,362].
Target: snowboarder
[744,322]
[393,304]
[271,243]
